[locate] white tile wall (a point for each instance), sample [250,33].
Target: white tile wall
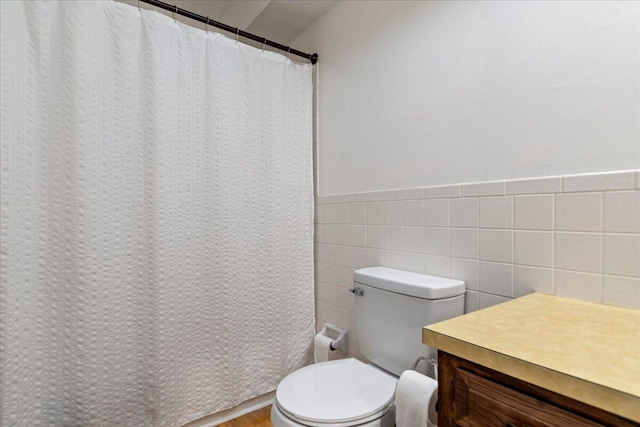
[496,212]
[464,243]
[532,279]
[579,212]
[622,211]
[441,192]
[464,212]
[587,285]
[579,252]
[621,291]
[496,278]
[575,236]
[621,255]
[487,300]
[393,213]
[375,236]
[534,212]
[437,241]
[471,301]
[413,240]
[483,189]
[467,270]
[437,265]
[393,238]
[413,212]
[599,182]
[535,186]
[375,213]
[344,213]
[496,245]
[412,262]
[437,212]
[534,248]
[358,213]
[343,234]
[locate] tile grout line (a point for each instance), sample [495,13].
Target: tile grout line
[601,247]
[512,200]
[553,243]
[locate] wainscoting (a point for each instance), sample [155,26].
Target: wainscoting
[572,236]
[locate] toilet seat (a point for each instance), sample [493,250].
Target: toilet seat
[341,393]
[385,418]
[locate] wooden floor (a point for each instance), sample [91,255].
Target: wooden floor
[259,418]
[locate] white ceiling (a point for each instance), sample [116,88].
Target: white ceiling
[278,20]
[284,20]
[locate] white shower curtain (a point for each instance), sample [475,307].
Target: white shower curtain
[156,218]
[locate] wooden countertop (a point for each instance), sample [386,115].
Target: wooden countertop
[589,352]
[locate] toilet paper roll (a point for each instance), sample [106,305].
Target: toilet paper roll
[433,414]
[416,397]
[322,349]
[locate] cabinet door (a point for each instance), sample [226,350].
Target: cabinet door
[471,395]
[481,402]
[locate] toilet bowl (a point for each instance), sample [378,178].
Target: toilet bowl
[391,308]
[342,392]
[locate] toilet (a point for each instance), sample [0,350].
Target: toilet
[391,308]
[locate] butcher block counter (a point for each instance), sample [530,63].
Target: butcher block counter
[540,356]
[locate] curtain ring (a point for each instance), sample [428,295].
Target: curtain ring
[138,5]
[206,25]
[237,33]
[174,14]
[264,42]
[286,54]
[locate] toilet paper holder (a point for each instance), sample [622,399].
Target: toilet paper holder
[432,362]
[339,336]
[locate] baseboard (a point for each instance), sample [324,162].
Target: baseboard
[240,410]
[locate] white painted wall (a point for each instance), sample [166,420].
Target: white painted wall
[415,94]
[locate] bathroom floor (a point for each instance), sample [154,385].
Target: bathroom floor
[259,418]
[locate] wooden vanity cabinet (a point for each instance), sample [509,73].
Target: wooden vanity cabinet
[470,395]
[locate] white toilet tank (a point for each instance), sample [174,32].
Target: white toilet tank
[393,307]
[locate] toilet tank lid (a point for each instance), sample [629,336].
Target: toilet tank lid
[408,283]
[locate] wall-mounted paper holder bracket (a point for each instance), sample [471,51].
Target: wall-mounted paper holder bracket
[339,336]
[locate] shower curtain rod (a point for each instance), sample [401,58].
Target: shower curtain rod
[313,57]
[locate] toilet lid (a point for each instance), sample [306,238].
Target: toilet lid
[335,392]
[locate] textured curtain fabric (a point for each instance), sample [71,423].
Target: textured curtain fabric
[156,218]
